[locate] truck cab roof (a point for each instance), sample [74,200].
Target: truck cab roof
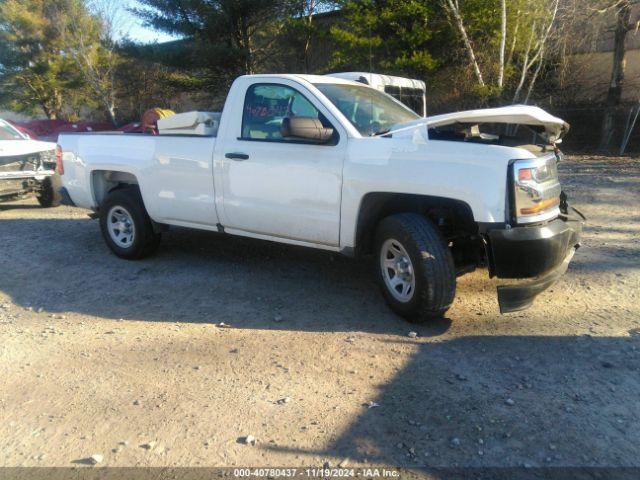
[307,78]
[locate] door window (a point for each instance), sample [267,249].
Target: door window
[265,107]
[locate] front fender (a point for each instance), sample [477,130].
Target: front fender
[469,173]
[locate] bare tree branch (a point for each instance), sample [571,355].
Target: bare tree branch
[503,43]
[540,48]
[454,10]
[94,52]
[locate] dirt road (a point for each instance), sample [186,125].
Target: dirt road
[124,359]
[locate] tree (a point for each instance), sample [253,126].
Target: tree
[144,83]
[230,37]
[623,25]
[384,35]
[526,26]
[34,72]
[89,40]
[536,49]
[307,10]
[503,41]
[301,29]
[453,8]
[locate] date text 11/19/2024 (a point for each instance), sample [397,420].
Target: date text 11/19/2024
[316,473]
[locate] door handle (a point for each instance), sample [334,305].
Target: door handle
[237,156]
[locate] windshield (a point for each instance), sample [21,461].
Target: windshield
[7,132]
[370,111]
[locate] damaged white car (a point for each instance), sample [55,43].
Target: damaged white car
[27,167]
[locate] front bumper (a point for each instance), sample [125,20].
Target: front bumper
[535,255]
[16,184]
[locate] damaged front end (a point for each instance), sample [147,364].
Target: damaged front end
[534,257]
[25,174]
[541,237]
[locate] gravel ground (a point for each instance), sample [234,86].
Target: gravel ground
[128,359]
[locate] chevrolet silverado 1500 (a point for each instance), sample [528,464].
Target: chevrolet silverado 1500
[328,163]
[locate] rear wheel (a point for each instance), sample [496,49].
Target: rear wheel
[415,267]
[126,226]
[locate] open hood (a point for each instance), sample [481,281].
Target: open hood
[555,127]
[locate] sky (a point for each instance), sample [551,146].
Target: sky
[146,35]
[137,31]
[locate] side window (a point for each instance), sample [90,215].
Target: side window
[266,105]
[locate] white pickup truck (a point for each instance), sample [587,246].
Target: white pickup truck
[333,164]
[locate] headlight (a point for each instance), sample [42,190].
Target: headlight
[536,189]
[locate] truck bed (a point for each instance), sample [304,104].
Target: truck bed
[155,162]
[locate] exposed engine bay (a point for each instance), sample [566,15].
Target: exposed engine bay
[531,138]
[520,126]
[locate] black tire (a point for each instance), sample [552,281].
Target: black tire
[432,264]
[46,194]
[145,239]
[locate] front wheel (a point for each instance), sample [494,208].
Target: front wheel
[415,267]
[126,226]
[46,194]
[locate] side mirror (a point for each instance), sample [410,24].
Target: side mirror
[306,128]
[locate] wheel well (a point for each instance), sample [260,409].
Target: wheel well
[453,218]
[105,181]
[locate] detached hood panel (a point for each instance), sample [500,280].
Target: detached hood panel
[516,114]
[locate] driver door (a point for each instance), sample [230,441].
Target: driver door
[278,186]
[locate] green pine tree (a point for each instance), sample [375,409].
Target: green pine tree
[226,38]
[35,74]
[386,36]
